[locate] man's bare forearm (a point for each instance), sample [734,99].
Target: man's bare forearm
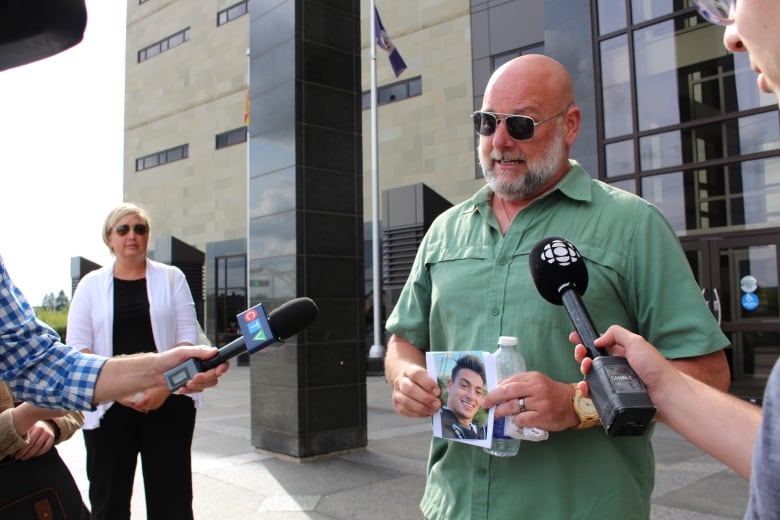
[125,375]
[401,354]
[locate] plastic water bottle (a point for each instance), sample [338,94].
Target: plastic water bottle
[508,363]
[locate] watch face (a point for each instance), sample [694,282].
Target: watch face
[586,406]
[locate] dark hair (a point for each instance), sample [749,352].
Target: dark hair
[471,362]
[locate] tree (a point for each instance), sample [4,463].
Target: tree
[61,302]
[58,303]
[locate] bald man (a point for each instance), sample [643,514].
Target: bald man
[470,284]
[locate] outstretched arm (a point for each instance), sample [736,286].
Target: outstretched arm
[718,423]
[125,375]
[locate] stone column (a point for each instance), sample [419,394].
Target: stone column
[305,213]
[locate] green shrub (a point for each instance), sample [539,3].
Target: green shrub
[58,320]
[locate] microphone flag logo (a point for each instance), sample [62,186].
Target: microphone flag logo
[255,328]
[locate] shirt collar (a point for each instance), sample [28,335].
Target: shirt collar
[575,185]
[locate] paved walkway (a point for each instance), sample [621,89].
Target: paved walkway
[234,481]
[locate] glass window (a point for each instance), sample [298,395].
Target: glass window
[394,92]
[656,77]
[677,93]
[706,142]
[660,150]
[174,155]
[230,281]
[723,197]
[151,52]
[163,45]
[612,15]
[760,262]
[236,271]
[666,192]
[415,87]
[616,87]
[620,158]
[231,137]
[628,185]
[391,93]
[151,161]
[761,190]
[176,39]
[759,133]
[233,12]
[682,73]
[159,158]
[644,10]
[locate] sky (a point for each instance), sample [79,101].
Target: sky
[61,148]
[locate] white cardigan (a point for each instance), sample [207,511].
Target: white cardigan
[91,317]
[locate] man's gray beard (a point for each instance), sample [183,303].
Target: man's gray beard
[538,175]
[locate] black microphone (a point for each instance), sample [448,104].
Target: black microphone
[258,331]
[559,273]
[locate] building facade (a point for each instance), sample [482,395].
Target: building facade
[668,114]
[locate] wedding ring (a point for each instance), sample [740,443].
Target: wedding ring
[521,402]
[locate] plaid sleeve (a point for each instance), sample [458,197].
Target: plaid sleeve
[36,365]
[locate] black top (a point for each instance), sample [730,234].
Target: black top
[452,429]
[132,323]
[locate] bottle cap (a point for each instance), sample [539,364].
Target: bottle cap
[507,341]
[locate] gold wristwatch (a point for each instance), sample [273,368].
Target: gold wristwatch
[585,410]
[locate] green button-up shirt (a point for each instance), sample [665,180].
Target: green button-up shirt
[470,284]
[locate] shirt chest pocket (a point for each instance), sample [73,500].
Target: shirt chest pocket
[459,272]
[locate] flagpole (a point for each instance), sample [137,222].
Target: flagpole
[247,117]
[377,350]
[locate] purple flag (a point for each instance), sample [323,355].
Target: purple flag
[384,41]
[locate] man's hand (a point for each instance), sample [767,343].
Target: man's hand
[415,394]
[200,381]
[648,363]
[145,402]
[548,403]
[123,376]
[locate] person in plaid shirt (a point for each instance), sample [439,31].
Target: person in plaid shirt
[40,369]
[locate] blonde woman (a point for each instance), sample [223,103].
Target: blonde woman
[136,305]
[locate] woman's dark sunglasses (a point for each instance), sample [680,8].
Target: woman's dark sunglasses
[138,229]
[520,128]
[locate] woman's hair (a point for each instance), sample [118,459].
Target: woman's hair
[120,212]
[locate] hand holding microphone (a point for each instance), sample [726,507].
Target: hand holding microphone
[258,331]
[559,273]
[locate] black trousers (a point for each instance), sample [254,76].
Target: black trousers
[163,438]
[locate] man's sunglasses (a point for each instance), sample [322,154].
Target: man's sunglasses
[138,229]
[520,128]
[719,12]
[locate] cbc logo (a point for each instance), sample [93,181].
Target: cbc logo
[560,252]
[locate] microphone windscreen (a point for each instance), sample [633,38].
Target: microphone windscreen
[291,317]
[555,263]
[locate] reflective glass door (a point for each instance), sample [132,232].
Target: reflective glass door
[739,279]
